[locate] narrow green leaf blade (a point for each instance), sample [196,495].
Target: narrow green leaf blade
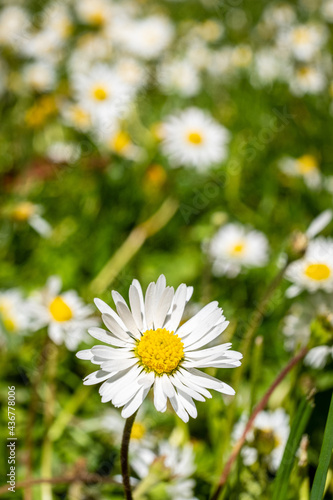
[318,486]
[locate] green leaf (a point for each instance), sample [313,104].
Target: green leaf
[318,486]
[297,429]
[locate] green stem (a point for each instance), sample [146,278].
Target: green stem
[124,456]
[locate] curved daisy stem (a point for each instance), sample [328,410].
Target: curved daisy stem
[124,456]
[260,406]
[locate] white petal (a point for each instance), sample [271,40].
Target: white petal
[160,400]
[131,407]
[319,223]
[212,321]
[188,404]
[136,306]
[104,336]
[179,408]
[163,307]
[86,354]
[126,316]
[119,364]
[106,309]
[149,305]
[167,386]
[293,291]
[177,308]
[97,377]
[192,323]
[175,380]
[114,327]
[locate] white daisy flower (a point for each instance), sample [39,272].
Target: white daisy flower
[132,72]
[314,271]
[63,152]
[26,211]
[150,349]
[311,322]
[192,138]
[307,79]
[15,316]
[14,23]
[76,116]
[39,76]
[267,438]
[234,247]
[147,38]
[177,462]
[65,314]
[303,40]
[179,76]
[97,13]
[306,166]
[327,10]
[270,65]
[102,93]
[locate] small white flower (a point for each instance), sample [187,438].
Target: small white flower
[14,22]
[15,316]
[307,79]
[235,246]
[179,76]
[177,461]
[148,37]
[96,13]
[306,166]
[298,324]
[267,438]
[102,93]
[304,41]
[63,152]
[192,138]
[26,211]
[314,271]
[150,349]
[39,76]
[65,314]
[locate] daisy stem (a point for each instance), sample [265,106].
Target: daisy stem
[124,456]
[260,406]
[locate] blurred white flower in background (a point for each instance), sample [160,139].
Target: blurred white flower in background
[39,76]
[306,167]
[25,211]
[314,271]
[174,463]
[63,152]
[14,23]
[267,438]
[192,138]
[180,77]
[15,314]
[64,313]
[234,246]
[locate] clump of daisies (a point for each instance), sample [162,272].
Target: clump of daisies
[63,313]
[267,439]
[234,247]
[192,138]
[148,347]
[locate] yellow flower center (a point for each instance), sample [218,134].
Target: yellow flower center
[138,431]
[301,35]
[9,323]
[23,211]
[160,351]
[120,141]
[306,164]
[97,18]
[100,94]
[60,310]
[194,138]
[317,272]
[238,249]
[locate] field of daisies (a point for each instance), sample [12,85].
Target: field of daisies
[166,243]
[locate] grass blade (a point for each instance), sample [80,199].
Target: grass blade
[318,486]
